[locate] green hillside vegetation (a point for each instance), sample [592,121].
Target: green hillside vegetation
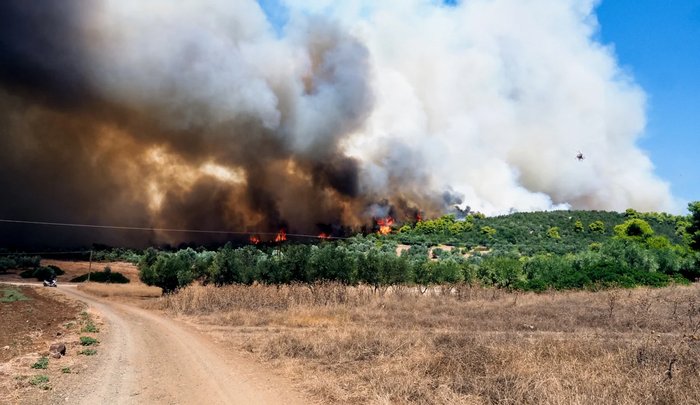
[524,251]
[529,233]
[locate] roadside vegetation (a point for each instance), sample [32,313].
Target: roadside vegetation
[11,294]
[528,252]
[42,272]
[104,276]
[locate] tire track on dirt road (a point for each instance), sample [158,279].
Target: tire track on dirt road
[148,358]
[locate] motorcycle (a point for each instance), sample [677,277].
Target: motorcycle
[50,283]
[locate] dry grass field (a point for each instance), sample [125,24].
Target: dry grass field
[350,345]
[131,290]
[134,289]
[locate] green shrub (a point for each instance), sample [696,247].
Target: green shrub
[27,273]
[39,380]
[11,295]
[102,277]
[42,273]
[88,352]
[42,363]
[6,263]
[634,229]
[88,341]
[597,226]
[553,232]
[90,327]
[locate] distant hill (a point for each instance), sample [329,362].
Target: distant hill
[532,232]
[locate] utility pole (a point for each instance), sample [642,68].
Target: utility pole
[90,266]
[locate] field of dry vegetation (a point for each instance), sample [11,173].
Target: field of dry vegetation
[131,290]
[351,345]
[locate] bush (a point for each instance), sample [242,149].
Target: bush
[27,274]
[634,229]
[39,380]
[42,273]
[330,262]
[88,341]
[597,226]
[550,271]
[102,277]
[6,263]
[502,271]
[41,364]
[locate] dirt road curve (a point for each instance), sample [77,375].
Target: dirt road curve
[147,358]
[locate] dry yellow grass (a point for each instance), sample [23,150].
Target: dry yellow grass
[348,345]
[78,268]
[133,290]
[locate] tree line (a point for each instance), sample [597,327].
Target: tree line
[562,250]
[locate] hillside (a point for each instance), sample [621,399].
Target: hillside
[530,232]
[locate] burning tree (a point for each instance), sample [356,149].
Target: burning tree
[384,225]
[281,236]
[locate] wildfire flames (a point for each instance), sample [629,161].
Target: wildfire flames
[254,240]
[385,225]
[324,235]
[281,236]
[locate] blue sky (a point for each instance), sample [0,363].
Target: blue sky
[658,42]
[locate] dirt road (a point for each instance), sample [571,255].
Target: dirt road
[147,358]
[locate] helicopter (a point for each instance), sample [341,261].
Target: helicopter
[580,156]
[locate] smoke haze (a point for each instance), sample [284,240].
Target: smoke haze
[207,115]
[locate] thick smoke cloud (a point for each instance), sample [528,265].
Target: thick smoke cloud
[204,115]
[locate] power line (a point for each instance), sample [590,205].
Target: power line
[139,228]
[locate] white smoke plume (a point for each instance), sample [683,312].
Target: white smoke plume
[491,98]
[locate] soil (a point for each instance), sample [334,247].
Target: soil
[28,325]
[146,357]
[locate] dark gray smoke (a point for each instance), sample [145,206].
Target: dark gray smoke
[202,115]
[175,127]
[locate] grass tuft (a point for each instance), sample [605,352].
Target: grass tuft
[90,327]
[11,295]
[88,341]
[39,380]
[41,364]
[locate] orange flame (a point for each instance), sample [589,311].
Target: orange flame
[419,217]
[385,225]
[281,236]
[254,239]
[324,235]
